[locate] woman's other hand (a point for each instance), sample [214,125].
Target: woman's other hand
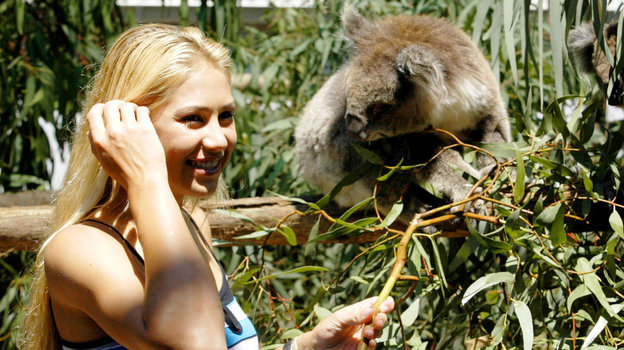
[123,139]
[342,330]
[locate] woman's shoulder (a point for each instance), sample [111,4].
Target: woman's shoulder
[85,257]
[80,241]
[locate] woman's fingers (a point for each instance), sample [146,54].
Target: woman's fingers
[379,321]
[96,122]
[112,116]
[387,305]
[128,113]
[143,115]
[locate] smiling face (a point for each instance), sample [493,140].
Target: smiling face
[197,131]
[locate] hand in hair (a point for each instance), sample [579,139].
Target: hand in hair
[123,139]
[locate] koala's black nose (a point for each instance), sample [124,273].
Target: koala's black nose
[355,125]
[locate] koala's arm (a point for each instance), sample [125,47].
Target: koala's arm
[441,173]
[321,141]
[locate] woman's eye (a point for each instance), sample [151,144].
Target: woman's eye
[226,117]
[193,118]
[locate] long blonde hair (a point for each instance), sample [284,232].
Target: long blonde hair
[144,65]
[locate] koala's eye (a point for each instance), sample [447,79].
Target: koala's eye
[382,109]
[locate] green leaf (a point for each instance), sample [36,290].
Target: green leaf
[254,235]
[587,182]
[38,96]
[556,40]
[526,323]
[557,231]
[486,281]
[349,179]
[387,175]
[295,270]
[411,313]
[296,200]
[482,9]
[394,213]
[578,292]
[552,165]
[508,17]
[539,206]
[359,279]
[499,331]
[501,149]
[583,267]
[321,312]
[309,246]
[289,234]
[466,250]
[438,261]
[616,223]
[235,214]
[520,175]
[597,329]
[184,13]
[346,229]
[243,278]
[548,215]
[20,7]
[291,333]
[513,224]
[492,245]
[368,155]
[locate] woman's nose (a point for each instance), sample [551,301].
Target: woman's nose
[214,137]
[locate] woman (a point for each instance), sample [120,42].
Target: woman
[125,266]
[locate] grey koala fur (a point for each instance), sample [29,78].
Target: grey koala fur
[590,59]
[406,75]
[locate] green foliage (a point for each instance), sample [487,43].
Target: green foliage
[534,279]
[15,283]
[48,51]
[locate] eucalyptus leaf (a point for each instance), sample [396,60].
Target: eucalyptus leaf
[293,271]
[520,178]
[289,234]
[393,214]
[616,223]
[493,245]
[485,282]
[526,323]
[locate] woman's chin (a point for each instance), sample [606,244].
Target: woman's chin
[199,190]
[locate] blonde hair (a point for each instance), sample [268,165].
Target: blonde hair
[144,65]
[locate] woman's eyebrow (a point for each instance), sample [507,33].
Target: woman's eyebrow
[191,109]
[196,109]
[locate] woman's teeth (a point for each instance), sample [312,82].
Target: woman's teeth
[206,165]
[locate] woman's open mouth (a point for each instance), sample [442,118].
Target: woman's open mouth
[205,167]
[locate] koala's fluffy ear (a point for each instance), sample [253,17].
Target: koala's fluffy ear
[581,41]
[421,66]
[354,24]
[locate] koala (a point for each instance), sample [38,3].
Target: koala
[583,42]
[405,76]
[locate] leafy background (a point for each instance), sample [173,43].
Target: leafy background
[537,278]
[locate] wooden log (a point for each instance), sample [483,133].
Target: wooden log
[25,198]
[22,226]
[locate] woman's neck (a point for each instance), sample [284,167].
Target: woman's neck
[117,213]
